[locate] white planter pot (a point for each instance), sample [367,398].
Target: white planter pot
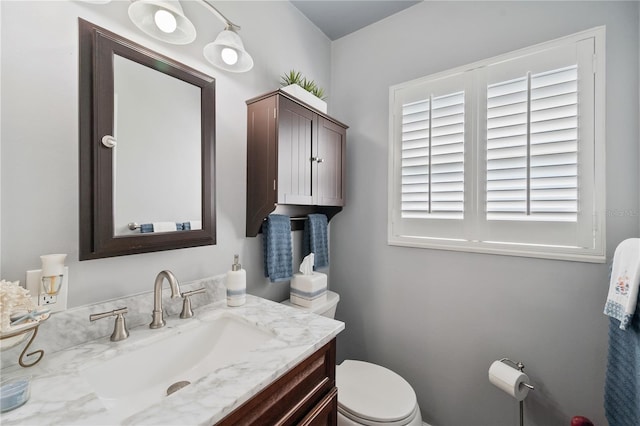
[306,97]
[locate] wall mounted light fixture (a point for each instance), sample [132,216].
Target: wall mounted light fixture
[227,51]
[165,20]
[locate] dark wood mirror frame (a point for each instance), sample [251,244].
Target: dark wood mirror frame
[97,49]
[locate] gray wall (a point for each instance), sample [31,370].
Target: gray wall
[39,71]
[440,318]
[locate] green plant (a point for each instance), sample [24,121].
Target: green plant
[296,77]
[308,85]
[319,93]
[293,77]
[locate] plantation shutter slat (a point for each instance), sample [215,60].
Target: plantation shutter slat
[532,147]
[432,152]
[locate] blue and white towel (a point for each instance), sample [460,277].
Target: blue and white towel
[278,254]
[315,239]
[622,380]
[624,282]
[160,227]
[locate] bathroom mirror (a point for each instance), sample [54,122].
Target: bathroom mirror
[147,144]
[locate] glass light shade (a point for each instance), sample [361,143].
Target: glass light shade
[143,14]
[228,40]
[229,56]
[165,21]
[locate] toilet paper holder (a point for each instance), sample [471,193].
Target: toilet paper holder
[518,366]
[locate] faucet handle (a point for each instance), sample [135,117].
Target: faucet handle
[187,312]
[120,331]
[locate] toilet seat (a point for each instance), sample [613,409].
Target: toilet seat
[372,395]
[366,422]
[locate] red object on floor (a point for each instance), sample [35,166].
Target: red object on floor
[580,421]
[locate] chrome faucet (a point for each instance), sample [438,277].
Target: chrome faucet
[158,315]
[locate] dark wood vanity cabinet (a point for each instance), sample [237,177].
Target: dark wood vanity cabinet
[306,395]
[295,157]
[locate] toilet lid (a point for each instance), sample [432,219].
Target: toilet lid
[374,393]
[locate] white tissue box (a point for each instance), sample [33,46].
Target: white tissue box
[309,290]
[309,284]
[308,303]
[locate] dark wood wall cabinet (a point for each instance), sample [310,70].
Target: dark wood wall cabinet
[295,160]
[306,395]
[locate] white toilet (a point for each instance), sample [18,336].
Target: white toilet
[369,394]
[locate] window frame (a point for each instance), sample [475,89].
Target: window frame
[466,234]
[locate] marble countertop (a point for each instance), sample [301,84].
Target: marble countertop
[60,394]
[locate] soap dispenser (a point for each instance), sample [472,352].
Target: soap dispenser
[236,284]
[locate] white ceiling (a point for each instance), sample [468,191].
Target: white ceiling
[337,18]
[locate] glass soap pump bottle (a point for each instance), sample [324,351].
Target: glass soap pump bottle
[236,284]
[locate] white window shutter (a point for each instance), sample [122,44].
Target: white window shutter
[532,147]
[507,151]
[433,157]
[505,155]
[554,145]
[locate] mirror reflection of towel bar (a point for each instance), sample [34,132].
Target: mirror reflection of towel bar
[133,226]
[292,218]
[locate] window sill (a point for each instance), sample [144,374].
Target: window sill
[574,254]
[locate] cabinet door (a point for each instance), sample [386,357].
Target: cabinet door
[261,162]
[295,130]
[329,154]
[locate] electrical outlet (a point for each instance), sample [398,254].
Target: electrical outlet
[46,299]
[56,303]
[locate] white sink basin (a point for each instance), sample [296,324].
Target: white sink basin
[131,381]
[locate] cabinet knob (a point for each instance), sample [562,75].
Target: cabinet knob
[109,141]
[317,159]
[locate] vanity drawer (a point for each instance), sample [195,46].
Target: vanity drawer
[325,412]
[303,395]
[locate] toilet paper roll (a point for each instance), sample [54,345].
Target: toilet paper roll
[509,380]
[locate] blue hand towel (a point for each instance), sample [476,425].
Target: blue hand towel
[622,381]
[145,228]
[315,239]
[278,255]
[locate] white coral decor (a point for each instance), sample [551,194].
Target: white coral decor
[13,298]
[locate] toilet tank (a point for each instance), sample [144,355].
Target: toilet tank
[327,309]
